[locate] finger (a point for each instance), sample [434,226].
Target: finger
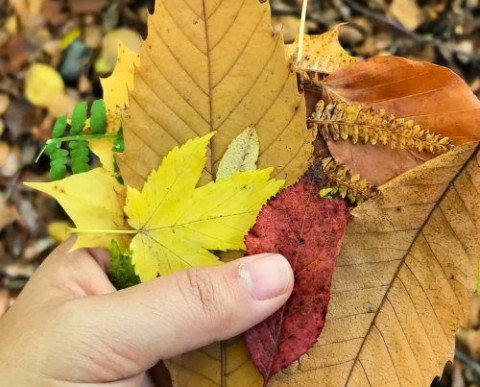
[190,309]
[77,273]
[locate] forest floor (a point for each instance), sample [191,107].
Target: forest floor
[79,39]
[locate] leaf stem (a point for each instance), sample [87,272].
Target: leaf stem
[93,231]
[75,138]
[301,35]
[83,137]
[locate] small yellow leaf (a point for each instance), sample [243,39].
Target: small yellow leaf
[241,155]
[59,231]
[93,201]
[178,225]
[108,55]
[321,53]
[43,84]
[68,39]
[116,86]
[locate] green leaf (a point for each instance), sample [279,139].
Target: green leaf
[58,172]
[60,127]
[326,193]
[52,147]
[121,273]
[98,118]
[79,117]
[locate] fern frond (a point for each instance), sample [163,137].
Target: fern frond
[80,131]
[346,183]
[342,121]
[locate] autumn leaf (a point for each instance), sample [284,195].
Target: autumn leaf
[44,87]
[93,200]
[178,224]
[433,97]
[308,231]
[321,54]
[115,95]
[116,86]
[404,280]
[241,154]
[210,65]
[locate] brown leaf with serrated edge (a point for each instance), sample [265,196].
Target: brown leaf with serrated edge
[307,230]
[321,54]
[214,65]
[434,97]
[403,282]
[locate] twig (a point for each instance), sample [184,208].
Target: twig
[301,35]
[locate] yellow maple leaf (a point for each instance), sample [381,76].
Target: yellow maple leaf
[178,224]
[93,200]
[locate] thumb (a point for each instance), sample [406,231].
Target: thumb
[190,309]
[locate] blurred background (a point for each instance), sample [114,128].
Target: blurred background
[53,52]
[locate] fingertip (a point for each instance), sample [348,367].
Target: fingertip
[267,276]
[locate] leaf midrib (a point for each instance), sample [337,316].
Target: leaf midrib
[210,87]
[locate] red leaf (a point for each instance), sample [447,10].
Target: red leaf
[308,231]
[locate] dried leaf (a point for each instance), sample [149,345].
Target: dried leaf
[432,96]
[43,84]
[179,224]
[109,54]
[93,201]
[404,280]
[345,183]
[321,53]
[342,121]
[241,154]
[308,231]
[408,13]
[216,66]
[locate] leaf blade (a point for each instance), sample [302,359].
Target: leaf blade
[379,246]
[216,78]
[178,224]
[106,204]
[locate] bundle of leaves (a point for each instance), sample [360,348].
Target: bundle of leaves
[206,125]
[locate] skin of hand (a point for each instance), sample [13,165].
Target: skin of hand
[70,327]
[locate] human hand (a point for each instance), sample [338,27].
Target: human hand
[71,327]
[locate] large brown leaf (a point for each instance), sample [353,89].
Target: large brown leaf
[433,96]
[404,280]
[214,65]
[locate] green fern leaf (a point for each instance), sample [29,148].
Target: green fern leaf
[60,127]
[79,117]
[98,117]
